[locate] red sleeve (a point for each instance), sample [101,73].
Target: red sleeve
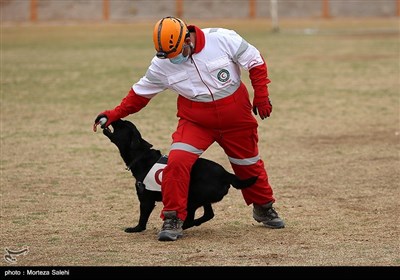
[259,79]
[131,103]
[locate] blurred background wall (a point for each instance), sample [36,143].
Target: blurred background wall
[134,10]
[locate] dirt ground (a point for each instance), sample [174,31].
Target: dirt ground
[331,149]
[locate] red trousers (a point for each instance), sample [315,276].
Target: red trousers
[230,123]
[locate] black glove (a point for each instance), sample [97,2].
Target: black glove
[103,120]
[102,123]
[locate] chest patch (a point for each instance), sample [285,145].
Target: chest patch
[223,75]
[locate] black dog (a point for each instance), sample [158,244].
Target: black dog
[209,181]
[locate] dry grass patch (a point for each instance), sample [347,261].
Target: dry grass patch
[331,149]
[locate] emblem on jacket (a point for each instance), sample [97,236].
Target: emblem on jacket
[223,75]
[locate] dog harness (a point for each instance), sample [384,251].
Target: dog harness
[152,181]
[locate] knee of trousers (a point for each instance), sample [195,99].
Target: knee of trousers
[245,171]
[179,165]
[261,192]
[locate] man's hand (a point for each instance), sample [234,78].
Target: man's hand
[104,119]
[263,106]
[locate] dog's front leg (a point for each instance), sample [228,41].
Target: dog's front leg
[146,207]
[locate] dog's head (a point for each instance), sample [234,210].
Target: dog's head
[127,138]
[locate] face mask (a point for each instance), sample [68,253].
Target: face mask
[179,59]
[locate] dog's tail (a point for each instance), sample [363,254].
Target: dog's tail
[242,183]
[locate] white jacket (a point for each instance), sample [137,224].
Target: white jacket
[211,74]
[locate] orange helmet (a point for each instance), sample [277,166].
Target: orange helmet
[168,36]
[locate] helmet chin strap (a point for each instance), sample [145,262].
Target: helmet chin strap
[189,42]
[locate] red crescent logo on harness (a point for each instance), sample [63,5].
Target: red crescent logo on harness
[157,176]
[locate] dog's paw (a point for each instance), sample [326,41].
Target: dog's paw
[134,229]
[187,225]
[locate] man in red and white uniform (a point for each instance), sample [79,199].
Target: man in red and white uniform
[204,67]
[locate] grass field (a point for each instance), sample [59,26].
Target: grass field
[331,148]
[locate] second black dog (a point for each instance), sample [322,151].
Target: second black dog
[209,181]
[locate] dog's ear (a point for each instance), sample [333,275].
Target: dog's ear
[146,144]
[138,136]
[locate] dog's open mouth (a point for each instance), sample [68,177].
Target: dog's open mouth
[111,130]
[106,128]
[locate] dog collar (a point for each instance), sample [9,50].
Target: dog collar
[131,165]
